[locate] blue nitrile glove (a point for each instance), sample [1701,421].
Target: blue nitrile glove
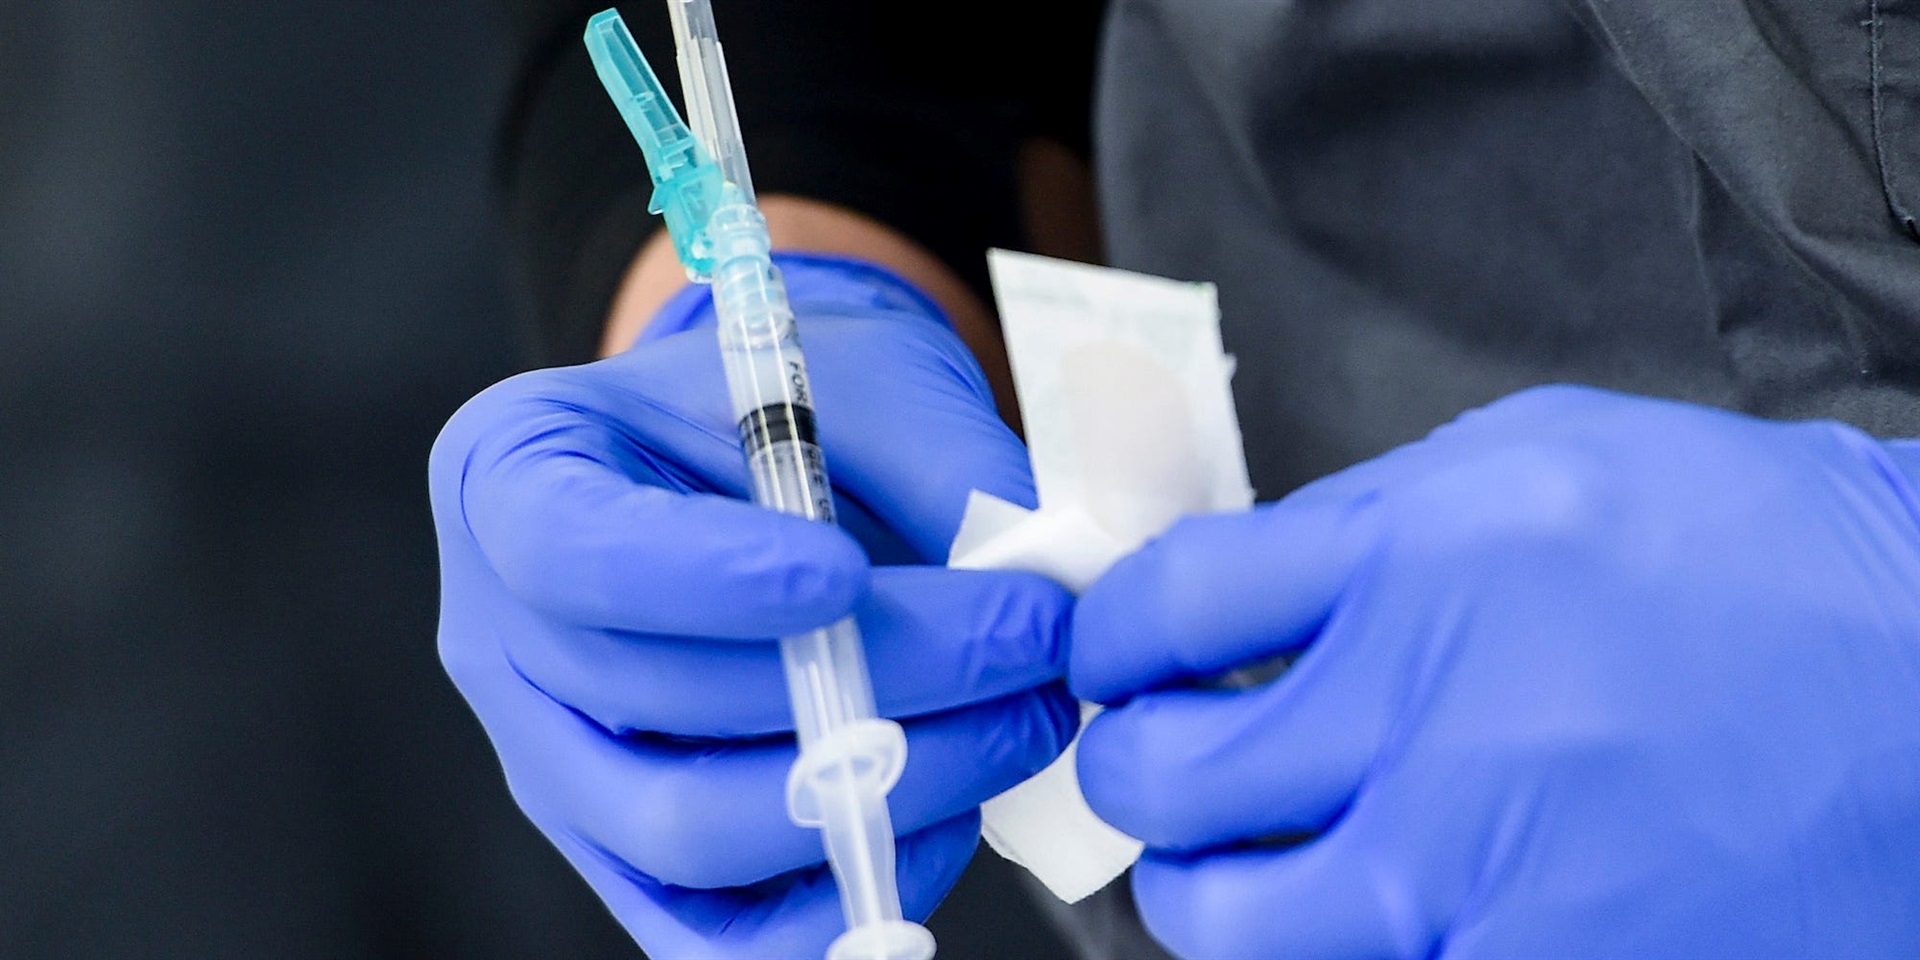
[1583,675]
[608,603]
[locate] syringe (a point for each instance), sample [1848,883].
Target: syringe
[849,757]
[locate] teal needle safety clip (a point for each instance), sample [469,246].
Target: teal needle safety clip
[687,184]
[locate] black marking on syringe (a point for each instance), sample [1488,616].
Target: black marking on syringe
[776,423]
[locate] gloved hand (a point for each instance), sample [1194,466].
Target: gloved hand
[1583,675]
[609,603]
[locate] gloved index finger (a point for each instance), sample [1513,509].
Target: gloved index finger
[1221,591]
[552,492]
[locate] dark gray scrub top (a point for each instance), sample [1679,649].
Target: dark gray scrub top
[1414,207]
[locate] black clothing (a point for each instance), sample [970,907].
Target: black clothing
[910,113]
[247,269]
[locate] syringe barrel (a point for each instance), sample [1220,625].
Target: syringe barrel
[766,372]
[826,668]
[849,758]
[827,680]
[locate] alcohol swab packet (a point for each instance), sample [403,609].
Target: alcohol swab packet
[1124,390]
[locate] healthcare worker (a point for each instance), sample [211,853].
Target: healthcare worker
[1625,666]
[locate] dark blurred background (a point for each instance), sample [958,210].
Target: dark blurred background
[248,266]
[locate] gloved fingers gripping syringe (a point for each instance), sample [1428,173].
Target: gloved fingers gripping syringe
[849,757]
